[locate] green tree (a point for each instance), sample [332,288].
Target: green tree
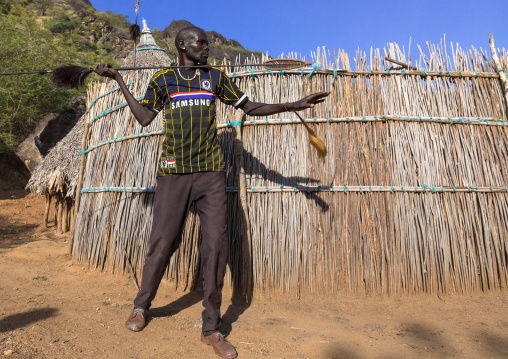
[62,23]
[25,46]
[43,5]
[5,6]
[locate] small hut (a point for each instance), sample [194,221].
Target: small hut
[411,198]
[56,177]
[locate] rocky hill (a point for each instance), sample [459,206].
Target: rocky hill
[107,33]
[220,47]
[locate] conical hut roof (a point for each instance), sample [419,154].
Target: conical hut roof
[148,53]
[63,161]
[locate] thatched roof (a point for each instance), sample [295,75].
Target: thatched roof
[148,53]
[58,172]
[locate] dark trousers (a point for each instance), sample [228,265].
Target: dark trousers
[173,197]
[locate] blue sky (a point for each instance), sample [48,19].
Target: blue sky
[301,26]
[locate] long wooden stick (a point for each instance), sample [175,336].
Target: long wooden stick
[242,195]
[502,72]
[46,211]
[400,63]
[290,64]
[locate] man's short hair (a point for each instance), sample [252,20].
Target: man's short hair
[184,33]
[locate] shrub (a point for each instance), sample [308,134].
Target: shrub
[63,23]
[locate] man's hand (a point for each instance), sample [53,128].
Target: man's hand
[142,114]
[307,102]
[263,109]
[106,70]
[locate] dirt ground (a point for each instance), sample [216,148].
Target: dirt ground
[52,306]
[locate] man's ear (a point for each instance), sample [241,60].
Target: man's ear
[181,44]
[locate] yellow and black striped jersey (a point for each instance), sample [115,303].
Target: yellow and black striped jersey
[190,129]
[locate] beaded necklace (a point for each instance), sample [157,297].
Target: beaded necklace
[196,74]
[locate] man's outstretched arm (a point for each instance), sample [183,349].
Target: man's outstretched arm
[263,109]
[142,114]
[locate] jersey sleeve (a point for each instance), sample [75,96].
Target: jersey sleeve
[229,93]
[154,97]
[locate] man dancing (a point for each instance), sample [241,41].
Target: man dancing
[191,170]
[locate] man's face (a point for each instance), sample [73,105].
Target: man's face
[196,47]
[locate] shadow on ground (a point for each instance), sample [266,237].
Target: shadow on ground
[14,233]
[175,307]
[494,346]
[338,351]
[15,321]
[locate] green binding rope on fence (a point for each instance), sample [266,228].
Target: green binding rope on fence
[382,118]
[252,72]
[92,103]
[119,139]
[234,123]
[124,189]
[386,72]
[316,65]
[151,48]
[112,109]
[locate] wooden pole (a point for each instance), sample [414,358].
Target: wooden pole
[65,214]
[502,74]
[46,211]
[58,215]
[242,196]
[80,185]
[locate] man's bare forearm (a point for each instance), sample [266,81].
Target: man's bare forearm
[263,109]
[140,112]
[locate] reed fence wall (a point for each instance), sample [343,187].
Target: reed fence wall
[412,196]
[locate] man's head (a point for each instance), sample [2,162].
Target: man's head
[192,45]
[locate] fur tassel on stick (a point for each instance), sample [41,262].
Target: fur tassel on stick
[70,76]
[316,142]
[135,32]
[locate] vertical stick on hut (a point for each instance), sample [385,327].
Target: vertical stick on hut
[242,195]
[46,211]
[58,214]
[502,72]
[64,214]
[135,33]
